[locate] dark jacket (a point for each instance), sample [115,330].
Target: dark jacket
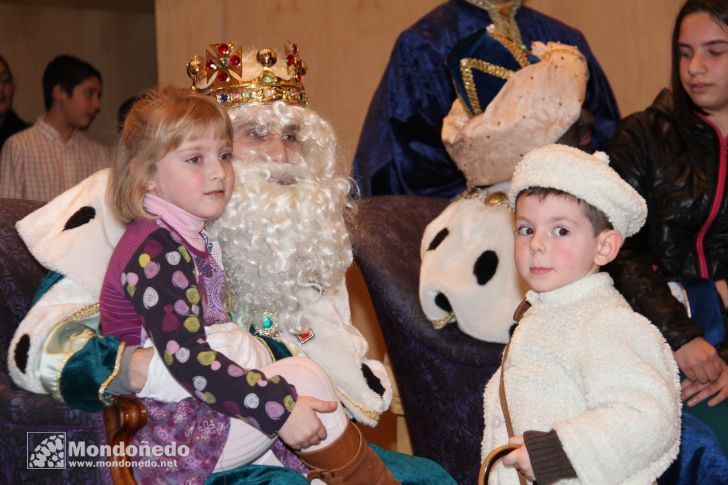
[675,168]
[11,125]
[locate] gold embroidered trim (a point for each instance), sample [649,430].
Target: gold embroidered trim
[63,366]
[81,313]
[441,322]
[114,373]
[517,49]
[466,70]
[369,413]
[503,15]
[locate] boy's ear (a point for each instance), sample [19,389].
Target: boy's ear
[58,93]
[608,244]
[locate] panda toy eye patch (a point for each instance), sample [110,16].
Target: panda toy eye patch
[439,237]
[485,266]
[80,217]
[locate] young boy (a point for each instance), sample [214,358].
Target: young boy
[591,387]
[54,154]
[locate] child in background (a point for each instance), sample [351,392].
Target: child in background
[172,173]
[590,387]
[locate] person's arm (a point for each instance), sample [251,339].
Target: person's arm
[167,299]
[632,402]
[634,270]
[399,150]
[132,371]
[540,458]
[600,100]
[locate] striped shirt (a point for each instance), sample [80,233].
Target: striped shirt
[36,164]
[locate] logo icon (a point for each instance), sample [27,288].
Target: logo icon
[46,450]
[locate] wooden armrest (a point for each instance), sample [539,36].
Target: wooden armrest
[122,419]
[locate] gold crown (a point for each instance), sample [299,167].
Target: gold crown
[234,76]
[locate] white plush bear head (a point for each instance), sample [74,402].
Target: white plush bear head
[74,232]
[74,235]
[468,273]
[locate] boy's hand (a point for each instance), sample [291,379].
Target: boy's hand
[699,361]
[519,458]
[695,392]
[303,428]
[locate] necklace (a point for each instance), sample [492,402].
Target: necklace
[503,16]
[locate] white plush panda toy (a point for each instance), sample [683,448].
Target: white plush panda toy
[74,235]
[468,273]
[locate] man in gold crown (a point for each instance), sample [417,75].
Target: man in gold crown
[284,236]
[285,243]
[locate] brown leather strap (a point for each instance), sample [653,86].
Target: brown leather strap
[502,393]
[502,388]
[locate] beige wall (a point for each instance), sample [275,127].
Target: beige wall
[346,43]
[120,44]
[630,38]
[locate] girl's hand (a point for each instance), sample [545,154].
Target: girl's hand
[519,458]
[139,367]
[303,428]
[695,392]
[699,361]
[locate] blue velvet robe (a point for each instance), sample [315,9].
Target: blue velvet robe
[400,151]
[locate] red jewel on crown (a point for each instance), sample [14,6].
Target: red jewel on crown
[296,66]
[223,60]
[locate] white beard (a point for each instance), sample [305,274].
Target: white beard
[284,240]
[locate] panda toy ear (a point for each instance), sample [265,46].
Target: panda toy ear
[439,237]
[75,233]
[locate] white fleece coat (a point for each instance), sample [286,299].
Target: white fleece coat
[583,363]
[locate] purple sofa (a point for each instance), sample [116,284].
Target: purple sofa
[441,373]
[23,412]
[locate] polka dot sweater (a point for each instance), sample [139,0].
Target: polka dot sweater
[156,285]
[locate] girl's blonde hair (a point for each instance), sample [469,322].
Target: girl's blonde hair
[159,122]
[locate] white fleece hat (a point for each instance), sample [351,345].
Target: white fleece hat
[588,177]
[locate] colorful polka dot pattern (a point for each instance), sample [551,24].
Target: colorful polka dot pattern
[177,292]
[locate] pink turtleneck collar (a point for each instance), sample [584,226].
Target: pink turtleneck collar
[187,225]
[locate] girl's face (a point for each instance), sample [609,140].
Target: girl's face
[703,46]
[197,176]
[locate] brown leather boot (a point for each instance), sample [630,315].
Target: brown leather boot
[349,461]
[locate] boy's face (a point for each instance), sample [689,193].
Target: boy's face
[81,107]
[554,242]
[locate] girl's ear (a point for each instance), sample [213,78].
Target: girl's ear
[608,244]
[137,168]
